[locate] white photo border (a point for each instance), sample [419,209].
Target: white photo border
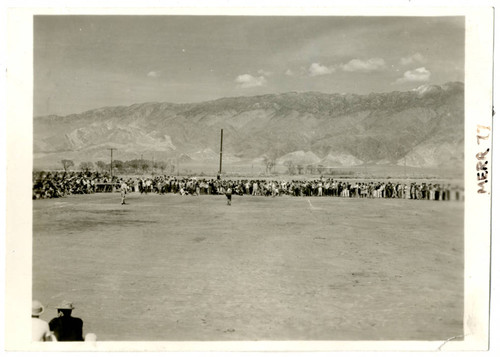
[477,222]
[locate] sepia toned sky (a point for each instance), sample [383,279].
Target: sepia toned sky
[87,62]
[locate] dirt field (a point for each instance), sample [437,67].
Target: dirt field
[193,268]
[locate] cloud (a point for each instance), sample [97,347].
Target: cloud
[289,72]
[372,64]
[414,58]
[317,69]
[153,74]
[249,81]
[264,73]
[415,75]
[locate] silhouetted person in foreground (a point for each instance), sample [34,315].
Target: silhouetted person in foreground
[65,326]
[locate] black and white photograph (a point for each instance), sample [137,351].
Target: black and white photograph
[274,178]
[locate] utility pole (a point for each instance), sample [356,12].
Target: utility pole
[111,164]
[405,167]
[220,161]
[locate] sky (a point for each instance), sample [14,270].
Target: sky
[87,62]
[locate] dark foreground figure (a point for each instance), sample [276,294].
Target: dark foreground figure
[65,326]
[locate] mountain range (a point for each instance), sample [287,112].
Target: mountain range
[423,128]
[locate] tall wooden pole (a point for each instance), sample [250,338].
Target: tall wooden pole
[111,164]
[220,161]
[405,167]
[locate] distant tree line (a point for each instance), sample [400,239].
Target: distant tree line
[136,166]
[293,168]
[141,166]
[299,169]
[302,169]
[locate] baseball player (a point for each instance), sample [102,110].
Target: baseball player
[123,190]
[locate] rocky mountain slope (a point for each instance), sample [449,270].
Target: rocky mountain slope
[422,128]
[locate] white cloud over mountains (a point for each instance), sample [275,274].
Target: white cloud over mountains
[317,69]
[356,64]
[249,81]
[415,75]
[374,64]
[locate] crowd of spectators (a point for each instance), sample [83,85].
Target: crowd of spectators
[59,184]
[317,187]
[50,185]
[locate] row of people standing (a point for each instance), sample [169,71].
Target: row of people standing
[49,185]
[319,187]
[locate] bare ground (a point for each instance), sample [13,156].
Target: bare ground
[192,268]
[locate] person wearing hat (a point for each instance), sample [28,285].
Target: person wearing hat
[40,328]
[123,190]
[65,326]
